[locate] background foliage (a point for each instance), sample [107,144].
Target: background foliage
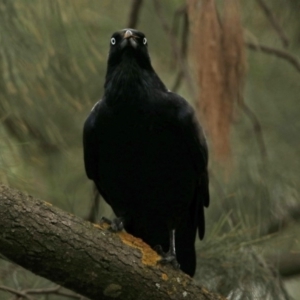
[53,61]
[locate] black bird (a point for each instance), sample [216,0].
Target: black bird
[147,154]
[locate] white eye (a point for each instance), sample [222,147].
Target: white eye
[113,41]
[144,41]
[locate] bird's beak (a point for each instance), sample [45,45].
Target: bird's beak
[128,34]
[129,39]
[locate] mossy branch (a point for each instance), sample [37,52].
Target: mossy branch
[85,257]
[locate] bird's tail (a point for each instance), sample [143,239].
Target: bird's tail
[185,247]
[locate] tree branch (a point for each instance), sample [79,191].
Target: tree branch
[256,127]
[277,52]
[175,48]
[288,264]
[85,257]
[274,22]
[15,292]
[56,290]
[180,12]
[134,13]
[25,294]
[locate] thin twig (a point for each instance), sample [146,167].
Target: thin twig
[256,127]
[15,292]
[291,214]
[43,291]
[178,13]
[277,52]
[49,290]
[185,32]
[177,82]
[69,295]
[181,12]
[256,124]
[274,22]
[134,13]
[175,48]
[8,270]
[54,291]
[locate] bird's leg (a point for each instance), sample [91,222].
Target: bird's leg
[116,224]
[170,256]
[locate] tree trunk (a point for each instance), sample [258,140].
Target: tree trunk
[85,257]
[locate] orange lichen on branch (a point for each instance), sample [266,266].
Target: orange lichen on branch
[102,225]
[149,256]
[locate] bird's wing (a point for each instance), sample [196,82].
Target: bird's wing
[193,136]
[89,144]
[195,140]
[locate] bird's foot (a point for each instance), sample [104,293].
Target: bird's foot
[116,224]
[167,257]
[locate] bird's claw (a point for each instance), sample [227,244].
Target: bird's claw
[116,224]
[167,257]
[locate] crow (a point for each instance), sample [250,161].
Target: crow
[147,154]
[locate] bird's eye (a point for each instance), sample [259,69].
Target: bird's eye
[113,41]
[144,41]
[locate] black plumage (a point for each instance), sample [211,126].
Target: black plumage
[147,154]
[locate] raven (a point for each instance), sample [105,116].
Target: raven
[147,154]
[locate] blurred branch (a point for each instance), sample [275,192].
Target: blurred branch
[277,52]
[181,12]
[256,127]
[175,48]
[134,13]
[177,82]
[56,290]
[288,264]
[252,276]
[20,294]
[274,22]
[84,257]
[224,203]
[13,127]
[25,294]
[274,272]
[291,213]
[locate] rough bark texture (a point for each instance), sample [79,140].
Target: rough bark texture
[83,257]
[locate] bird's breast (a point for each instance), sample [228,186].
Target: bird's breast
[141,154]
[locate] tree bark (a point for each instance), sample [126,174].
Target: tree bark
[85,257]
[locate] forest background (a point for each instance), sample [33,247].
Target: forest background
[237,63]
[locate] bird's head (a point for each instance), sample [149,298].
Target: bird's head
[129,45]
